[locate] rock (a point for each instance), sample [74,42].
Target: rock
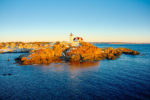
[129,51]
[4,74]
[111,56]
[8,74]
[1,52]
[85,52]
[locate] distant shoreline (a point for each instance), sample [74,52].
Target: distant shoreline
[116,43]
[66,41]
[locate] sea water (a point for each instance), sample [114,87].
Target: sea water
[127,78]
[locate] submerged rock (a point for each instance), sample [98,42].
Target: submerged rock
[7,74]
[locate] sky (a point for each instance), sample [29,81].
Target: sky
[94,20]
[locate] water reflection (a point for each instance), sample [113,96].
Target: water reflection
[76,69]
[74,66]
[70,66]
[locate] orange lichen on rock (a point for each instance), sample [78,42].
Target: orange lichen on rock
[66,52]
[115,53]
[128,51]
[41,56]
[85,52]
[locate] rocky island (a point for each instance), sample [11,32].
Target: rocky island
[45,53]
[62,52]
[75,51]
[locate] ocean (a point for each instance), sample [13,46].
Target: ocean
[127,78]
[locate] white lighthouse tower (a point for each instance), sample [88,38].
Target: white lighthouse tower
[71,38]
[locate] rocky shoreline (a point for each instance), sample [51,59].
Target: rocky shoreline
[66,52]
[46,52]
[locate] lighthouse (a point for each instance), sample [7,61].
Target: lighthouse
[71,38]
[75,39]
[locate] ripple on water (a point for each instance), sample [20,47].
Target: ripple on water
[126,78]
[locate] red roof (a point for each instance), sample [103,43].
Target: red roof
[78,38]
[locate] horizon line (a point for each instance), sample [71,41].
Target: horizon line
[84,41]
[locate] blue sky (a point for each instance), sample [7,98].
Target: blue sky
[94,20]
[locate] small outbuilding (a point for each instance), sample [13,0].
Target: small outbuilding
[78,39]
